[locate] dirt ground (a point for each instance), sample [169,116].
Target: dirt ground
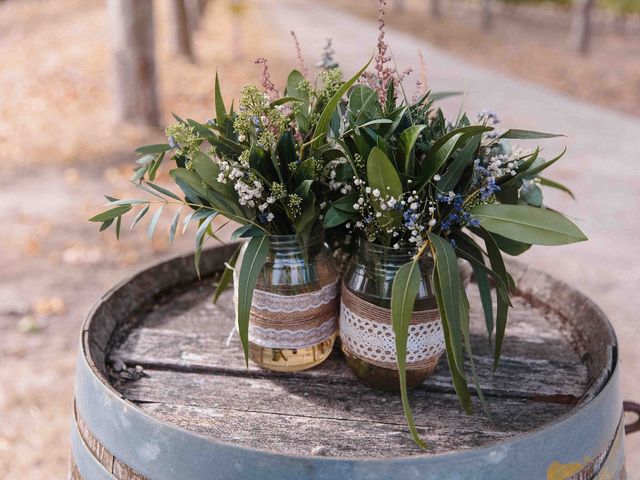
[60,150]
[531,47]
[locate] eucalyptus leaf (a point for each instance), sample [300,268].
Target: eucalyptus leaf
[406,284]
[335,217]
[558,186]
[406,142]
[174,225]
[200,234]
[221,112]
[322,127]
[139,216]
[154,222]
[528,224]
[156,148]
[446,265]
[227,275]
[527,135]
[253,259]
[110,214]
[382,176]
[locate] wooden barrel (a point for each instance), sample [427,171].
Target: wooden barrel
[162,393]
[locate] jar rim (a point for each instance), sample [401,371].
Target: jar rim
[295,241]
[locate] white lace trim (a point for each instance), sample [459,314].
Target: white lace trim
[302,302]
[292,339]
[375,341]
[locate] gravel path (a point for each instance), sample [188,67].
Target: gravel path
[599,166]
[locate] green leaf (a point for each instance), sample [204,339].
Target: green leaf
[164,191]
[437,96]
[346,203]
[200,233]
[324,122]
[106,224]
[221,112]
[527,135]
[227,275]
[498,266]
[253,259]
[459,380]
[118,225]
[484,288]
[464,309]
[446,265]
[537,166]
[382,175]
[246,231]
[309,210]
[510,247]
[335,217]
[206,168]
[465,158]
[154,222]
[558,186]
[363,103]
[174,225]
[153,168]
[528,224]
[406,142]
[406,284]
[444,147]
[533,196]
[110,214]
[139,216]
[294,80]
[156,148]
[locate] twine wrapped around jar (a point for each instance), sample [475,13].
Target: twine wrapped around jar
[367,333]
[293,321]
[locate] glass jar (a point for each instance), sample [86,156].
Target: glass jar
[368,340]
[293,322]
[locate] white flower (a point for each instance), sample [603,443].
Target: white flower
[414,206]
[396,246]
[432,222]
[432,209]
[270,217]
[356,206]
[241,138]
[378,214]
[436,178]
[376,193]
[271,199]
[368,189]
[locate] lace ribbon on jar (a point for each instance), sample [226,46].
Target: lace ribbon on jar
[366,332]
[293,321]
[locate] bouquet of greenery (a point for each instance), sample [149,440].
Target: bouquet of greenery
[264,167]
[358,158]
[449,190]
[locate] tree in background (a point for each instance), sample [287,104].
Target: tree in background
[179,32]
[582,25]
[435,8]
[131,24]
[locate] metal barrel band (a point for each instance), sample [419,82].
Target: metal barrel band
[632,407]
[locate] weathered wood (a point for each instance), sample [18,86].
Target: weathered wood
[132,38]
[158,342]
[349,434]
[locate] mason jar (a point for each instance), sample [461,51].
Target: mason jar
[366,332]
[293,321]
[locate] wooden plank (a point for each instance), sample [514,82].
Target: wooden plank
[190,334]
[444,428]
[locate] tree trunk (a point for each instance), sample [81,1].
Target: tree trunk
[487,14]
[179,32]
[582,25]
[131,25]
[435,8]
[195,9]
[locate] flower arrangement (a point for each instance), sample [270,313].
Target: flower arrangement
[360,160]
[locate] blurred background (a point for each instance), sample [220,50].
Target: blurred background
[71,114]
